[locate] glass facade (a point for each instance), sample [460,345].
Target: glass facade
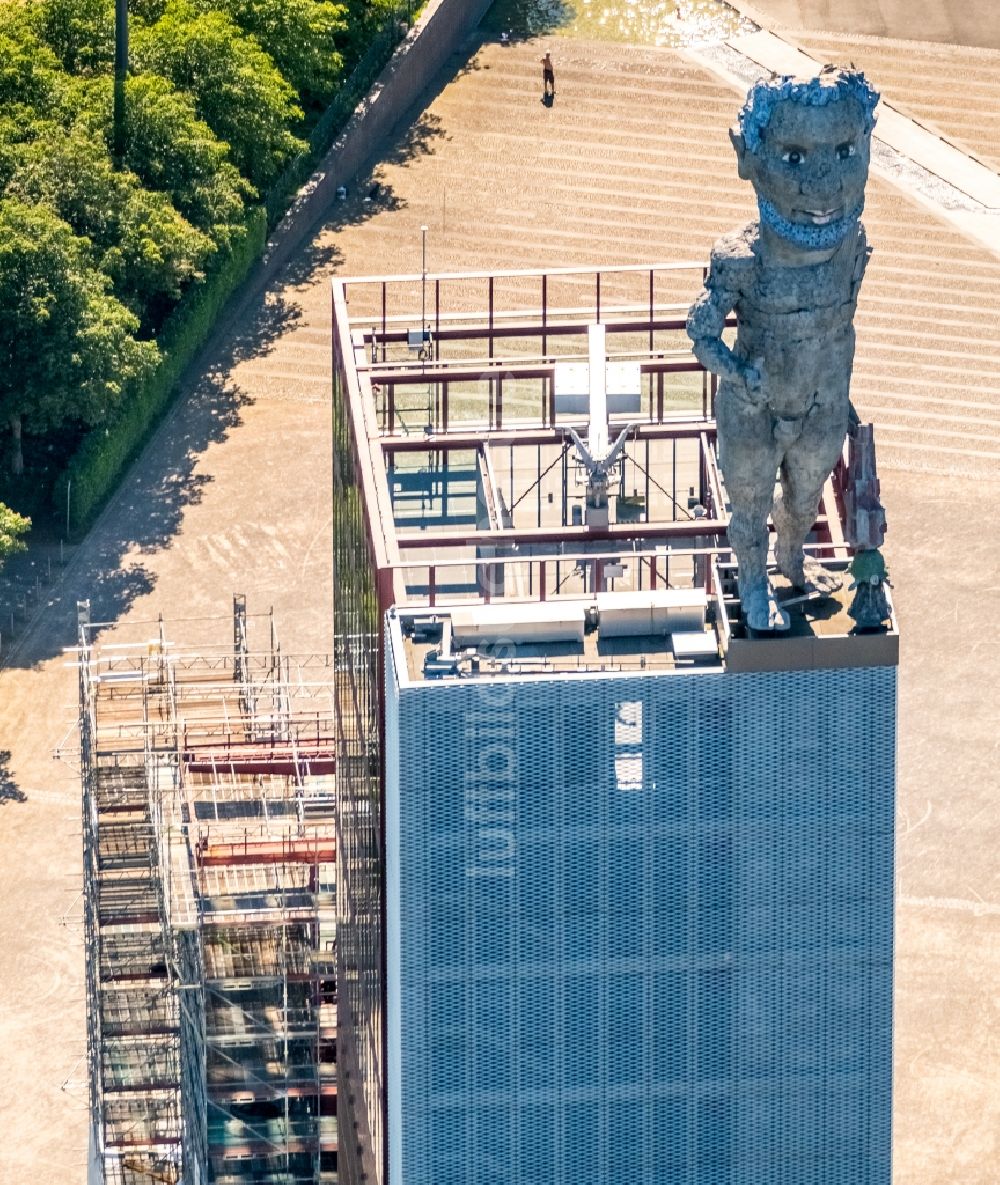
[359,839]
[640,928]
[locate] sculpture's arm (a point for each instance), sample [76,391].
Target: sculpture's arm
[705,324]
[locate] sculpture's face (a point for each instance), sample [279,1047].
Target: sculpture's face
[810,170]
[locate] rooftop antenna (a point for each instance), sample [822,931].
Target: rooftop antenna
[598,456]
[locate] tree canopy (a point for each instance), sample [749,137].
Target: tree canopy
[174,152]
[97,250]
[13,528]
[30,76]
[67,343]
[236,87]
[81,33]
[300,35]
[139,239]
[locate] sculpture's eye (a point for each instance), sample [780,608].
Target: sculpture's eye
[793,156]
[846,149]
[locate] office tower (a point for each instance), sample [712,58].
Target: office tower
[614,878]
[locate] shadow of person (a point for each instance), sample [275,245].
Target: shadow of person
[548,98]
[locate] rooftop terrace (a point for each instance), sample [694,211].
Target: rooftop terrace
[499,503]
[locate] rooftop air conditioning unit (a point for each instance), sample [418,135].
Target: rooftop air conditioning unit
[660,611]
[538,622]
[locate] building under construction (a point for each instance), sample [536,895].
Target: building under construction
[209,892]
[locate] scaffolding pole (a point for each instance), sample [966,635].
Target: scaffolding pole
[207,917]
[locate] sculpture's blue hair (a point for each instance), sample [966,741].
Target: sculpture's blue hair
[830,86]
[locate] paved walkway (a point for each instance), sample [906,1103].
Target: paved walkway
[631,164]
[953,22]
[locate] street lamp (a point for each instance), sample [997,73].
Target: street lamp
[423,283]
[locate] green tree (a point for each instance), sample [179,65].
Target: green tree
[300,35]
[81,33]
[67,343]
[172,151]
[147,248]
[366,18]
[147,11]
[9,148]
[12,527]
[32,84]
[30,75]
[237,88]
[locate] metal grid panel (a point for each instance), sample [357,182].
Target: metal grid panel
[259,953]
[644,929]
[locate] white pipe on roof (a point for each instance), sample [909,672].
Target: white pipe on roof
[597,430]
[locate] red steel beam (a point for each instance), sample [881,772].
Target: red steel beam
[261,765]
[271,915]
[148,1142]
[137,919]
[114,1032]
[486,368]
[302,851]
[226,1151]
[135,977]
[533,326]
[435,441]
[615,532]
[529,273]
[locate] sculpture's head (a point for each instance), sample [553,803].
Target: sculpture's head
[805,145]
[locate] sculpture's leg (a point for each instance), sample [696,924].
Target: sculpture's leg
[749,538]
[749,462]
[807,464]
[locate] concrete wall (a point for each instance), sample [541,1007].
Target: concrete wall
[440,31]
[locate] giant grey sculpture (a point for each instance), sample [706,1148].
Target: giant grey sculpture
[792,278]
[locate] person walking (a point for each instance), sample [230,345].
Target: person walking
[548,77]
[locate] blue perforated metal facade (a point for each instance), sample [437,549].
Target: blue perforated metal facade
[640,928]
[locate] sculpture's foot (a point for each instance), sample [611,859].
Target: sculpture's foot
[762,612]
[810,576]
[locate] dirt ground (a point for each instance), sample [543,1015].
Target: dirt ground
[631,164]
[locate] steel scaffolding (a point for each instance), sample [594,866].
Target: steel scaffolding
[208,798]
